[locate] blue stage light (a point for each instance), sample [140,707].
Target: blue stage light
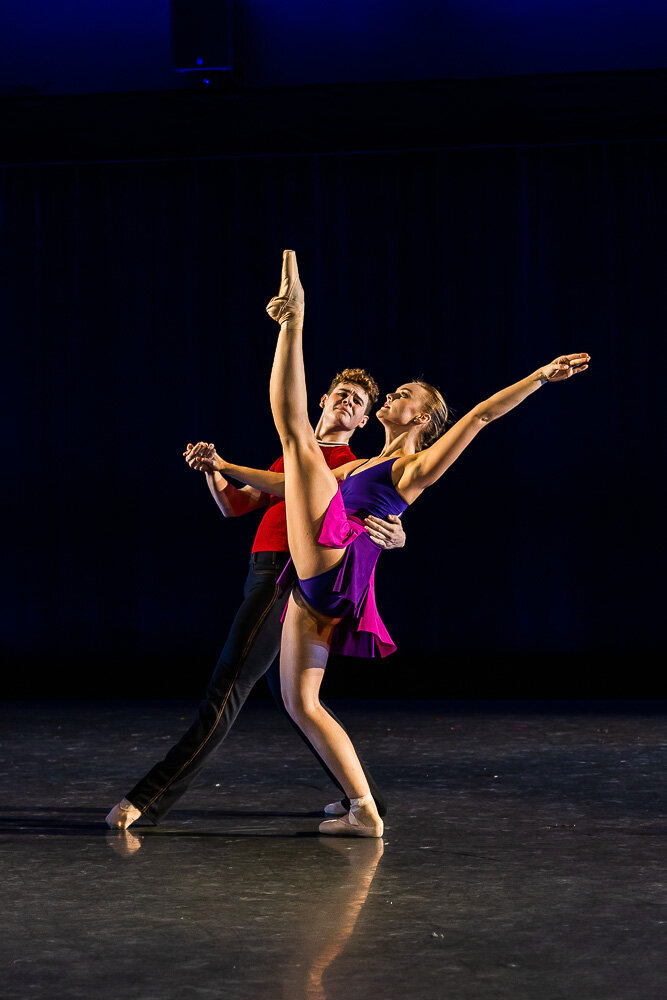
[201,32]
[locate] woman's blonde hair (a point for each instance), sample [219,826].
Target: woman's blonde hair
[438,411]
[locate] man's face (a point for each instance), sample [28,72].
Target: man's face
[345,406]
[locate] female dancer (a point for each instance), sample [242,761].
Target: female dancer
[333,556]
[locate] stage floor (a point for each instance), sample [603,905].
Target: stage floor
[523,858]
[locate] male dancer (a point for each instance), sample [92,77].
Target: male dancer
[254,639]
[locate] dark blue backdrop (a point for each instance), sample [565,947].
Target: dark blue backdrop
[133,310]
[466,230]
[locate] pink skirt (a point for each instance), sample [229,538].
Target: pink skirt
[361,632]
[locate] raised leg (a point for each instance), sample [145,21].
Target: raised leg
[309,488]
[309,483]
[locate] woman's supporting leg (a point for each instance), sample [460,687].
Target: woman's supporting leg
[273,680]
[305,649]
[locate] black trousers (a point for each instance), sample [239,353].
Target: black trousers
[251,650]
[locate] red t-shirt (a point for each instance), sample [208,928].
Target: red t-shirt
[272,532]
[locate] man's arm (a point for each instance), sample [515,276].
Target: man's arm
[234,502]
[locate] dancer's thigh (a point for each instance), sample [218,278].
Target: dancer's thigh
[304,651]
[310,486]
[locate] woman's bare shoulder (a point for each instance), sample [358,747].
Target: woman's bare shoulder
[343,471]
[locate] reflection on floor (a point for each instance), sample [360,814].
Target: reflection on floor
[523,858]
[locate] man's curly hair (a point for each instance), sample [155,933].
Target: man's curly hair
[360,377]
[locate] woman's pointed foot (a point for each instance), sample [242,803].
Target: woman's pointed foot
[288,304]
[122,815]
[363,820]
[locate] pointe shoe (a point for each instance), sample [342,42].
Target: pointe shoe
[289,302]
[122,815]
[361,821]
[335,809]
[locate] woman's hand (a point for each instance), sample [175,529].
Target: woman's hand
[387,534]
[203,457]
[564,367]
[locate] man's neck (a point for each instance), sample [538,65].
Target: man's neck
[334,438]
[326,434]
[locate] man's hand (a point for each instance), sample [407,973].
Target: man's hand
[203,457]
[387,534]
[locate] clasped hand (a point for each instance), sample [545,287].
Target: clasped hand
[203,457]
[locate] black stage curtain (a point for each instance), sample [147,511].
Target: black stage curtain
[133,316]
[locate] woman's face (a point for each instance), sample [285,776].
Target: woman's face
[404,405]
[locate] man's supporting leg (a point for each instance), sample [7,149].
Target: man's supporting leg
[252,644]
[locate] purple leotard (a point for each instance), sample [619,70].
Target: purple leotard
[348,590]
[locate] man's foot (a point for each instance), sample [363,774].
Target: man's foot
[335,809]
[289,302]
[122,815]
[363,820]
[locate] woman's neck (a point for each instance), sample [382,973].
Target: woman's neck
[399,443]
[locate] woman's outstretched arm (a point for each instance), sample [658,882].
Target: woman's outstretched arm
[205,458]
[260,483]
[426,467]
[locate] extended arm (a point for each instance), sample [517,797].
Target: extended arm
[426,467]
[259,482]
[204,457]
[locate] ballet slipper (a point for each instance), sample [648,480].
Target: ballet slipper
[122,815]
[288,304]
[362,820]
[335,809]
